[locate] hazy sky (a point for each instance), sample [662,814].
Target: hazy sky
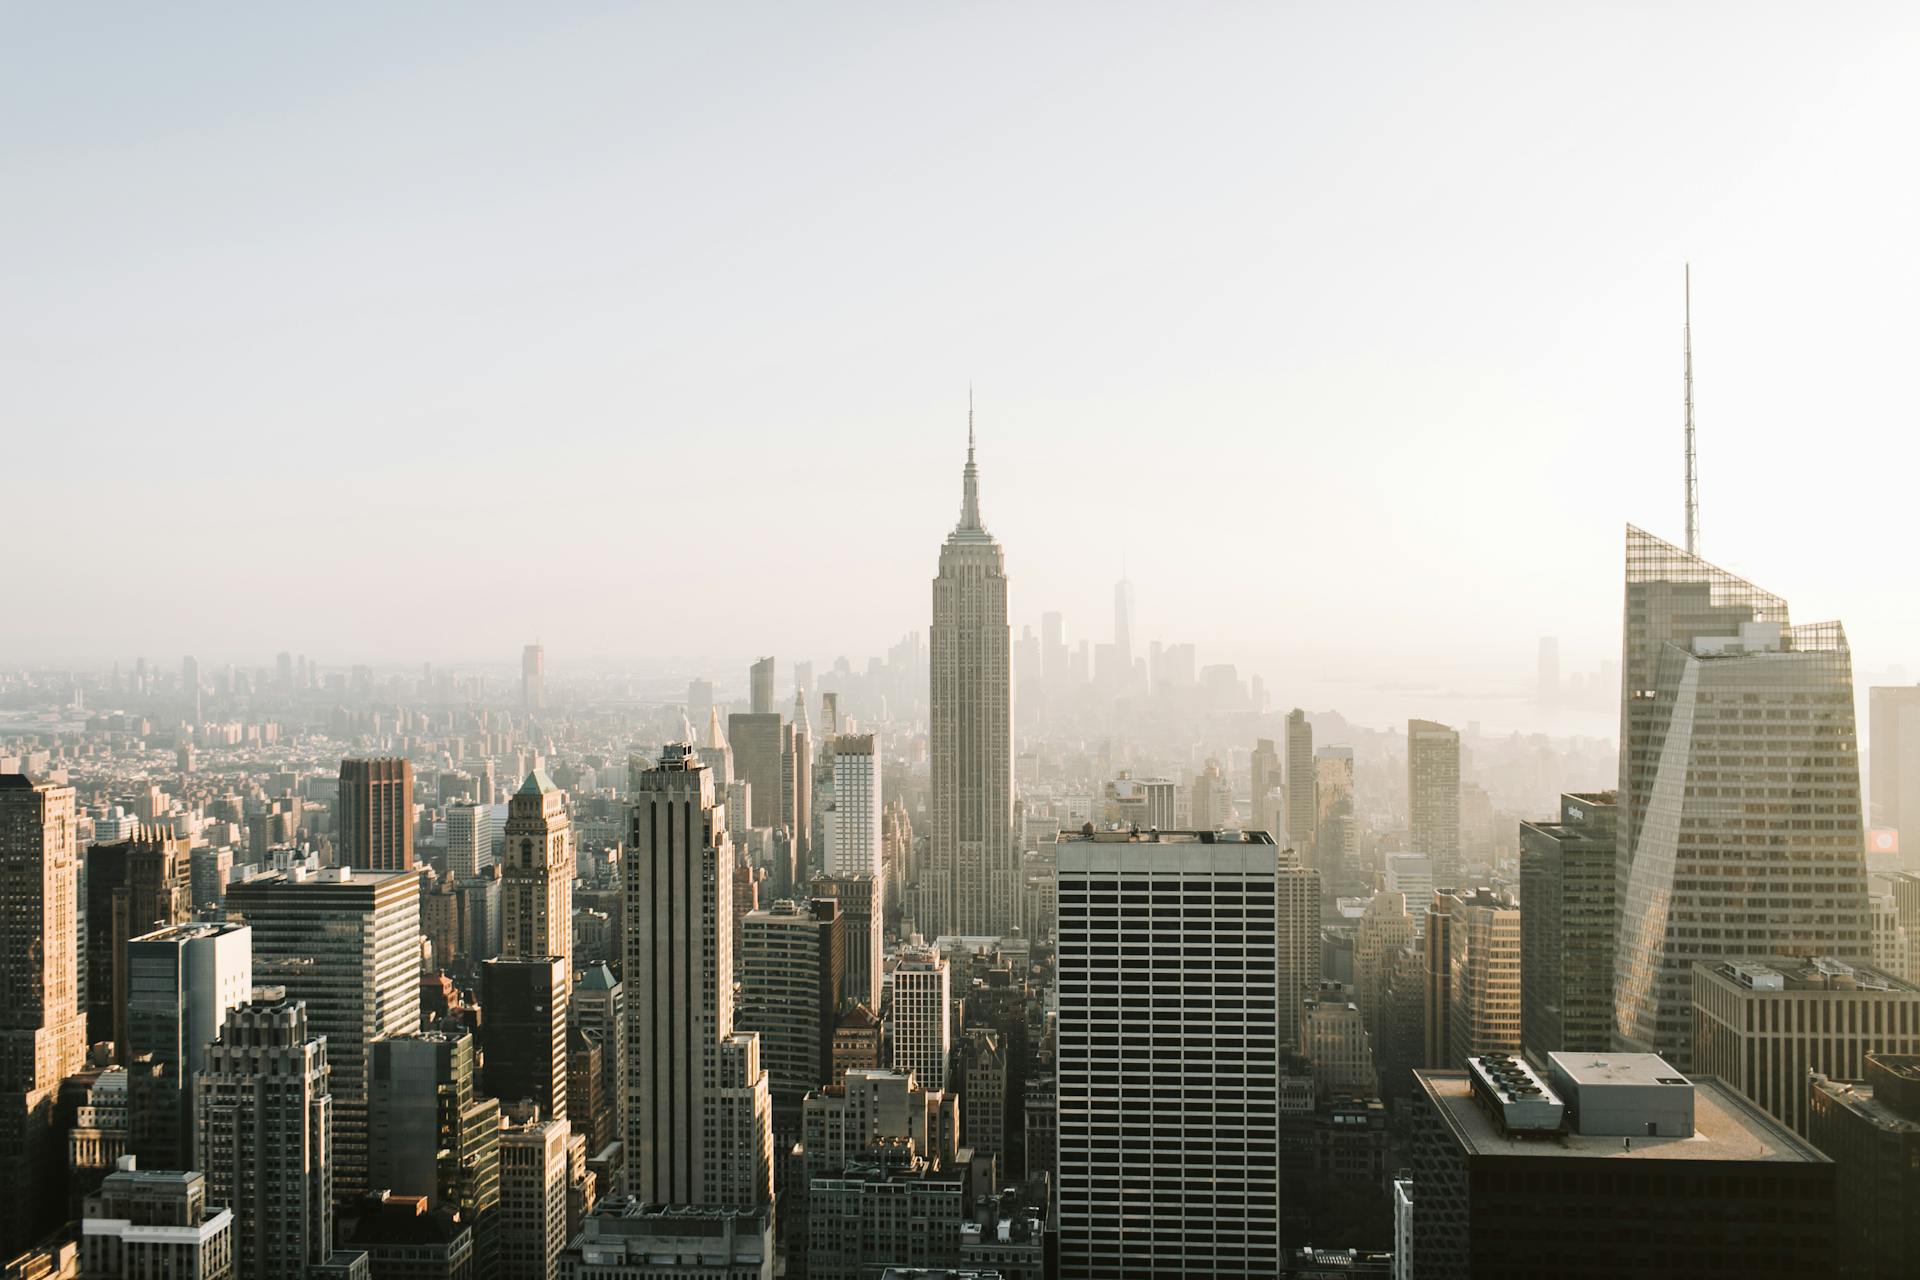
[647,329]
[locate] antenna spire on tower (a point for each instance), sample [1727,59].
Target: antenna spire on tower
[1693,478]
[970,482]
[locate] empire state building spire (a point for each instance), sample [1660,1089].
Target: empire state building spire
[970,485]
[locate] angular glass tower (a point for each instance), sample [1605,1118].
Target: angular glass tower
[1739,805]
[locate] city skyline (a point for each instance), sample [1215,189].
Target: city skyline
[1257,822]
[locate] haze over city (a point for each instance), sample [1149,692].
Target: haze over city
[1355,337]
[959,642]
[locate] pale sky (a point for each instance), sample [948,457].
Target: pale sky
[647,329]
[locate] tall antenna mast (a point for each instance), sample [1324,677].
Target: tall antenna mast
[1693,477]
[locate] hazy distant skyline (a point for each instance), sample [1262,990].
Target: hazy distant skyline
[647,330]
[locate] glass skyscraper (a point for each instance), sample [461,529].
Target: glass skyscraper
[1739,804]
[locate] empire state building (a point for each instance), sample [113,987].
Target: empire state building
[970,878]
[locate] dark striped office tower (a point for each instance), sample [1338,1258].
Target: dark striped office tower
[376,814]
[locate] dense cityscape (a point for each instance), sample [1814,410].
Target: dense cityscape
[959,642]
[362,973]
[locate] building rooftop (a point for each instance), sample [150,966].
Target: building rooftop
[857,1016]
[1802,973]
[349,879]
[1587,1069]
[1131,835]
[1864,1101]
[1726,1127]
[597,978]
[190,931]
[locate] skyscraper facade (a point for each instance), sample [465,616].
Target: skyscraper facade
[423,1103]
[1764,1023]
[181,982]
[533,1198]
[1297,936]
[760,678]
[598,1006]
[43,1034]
[536,884]
[854,839]
[133,887]
[1334,833]
[923,1018]
[1123,627]
[347,943]
[376,814]
[1168,1173]
[1302,809]
[970,881]
[533,679]
[760,757]
[523,1032]
[796,781]
[265,1136]
[683,1136]
[1893,757]
[1267,790]
[1567,924]
[1740,821]
[862,923]
[1473,976]
[1433,796]
[790,975]
[469,840]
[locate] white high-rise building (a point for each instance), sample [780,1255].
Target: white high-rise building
[1411,874]
[853,833]
[1168,1171]
[469,840]
[970,884]
[690,1078]
[923,1018]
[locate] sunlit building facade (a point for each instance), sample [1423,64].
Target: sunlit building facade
[1740,821]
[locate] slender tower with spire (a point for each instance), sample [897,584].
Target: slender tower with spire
[968,885]
[1693,477]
